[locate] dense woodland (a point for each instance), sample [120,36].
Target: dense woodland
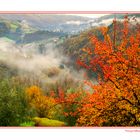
[107,95]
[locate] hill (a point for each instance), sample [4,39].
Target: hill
[73,45]
[50,22]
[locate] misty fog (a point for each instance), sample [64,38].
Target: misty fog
[44,61]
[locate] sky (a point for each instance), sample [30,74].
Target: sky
[90,15]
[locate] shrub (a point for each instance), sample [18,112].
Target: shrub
[28,124]
[47,122]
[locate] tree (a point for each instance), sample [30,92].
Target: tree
[44,105]
[14,106]
[116,98]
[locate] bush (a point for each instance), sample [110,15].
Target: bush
[47,122]
[28,124]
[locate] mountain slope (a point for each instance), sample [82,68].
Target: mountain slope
[66,23]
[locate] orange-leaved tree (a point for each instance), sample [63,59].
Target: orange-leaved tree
[44,105]
[116,60]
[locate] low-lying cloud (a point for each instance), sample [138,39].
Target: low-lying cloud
[48,65]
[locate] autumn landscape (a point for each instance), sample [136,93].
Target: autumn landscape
[69,70]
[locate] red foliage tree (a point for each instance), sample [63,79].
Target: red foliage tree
[116,98]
